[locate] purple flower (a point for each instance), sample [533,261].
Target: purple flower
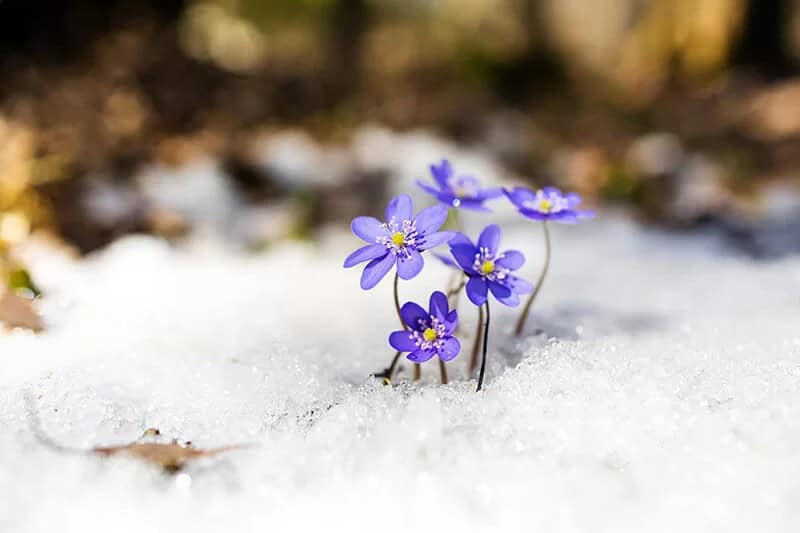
[400,240]
[547,204]
[489,270]
[458,191]
[429,332]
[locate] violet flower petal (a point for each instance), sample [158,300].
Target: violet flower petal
[511,259]
[427,188]
[477,290]
[446,260]
[411,265]
[412,313]
[520,195]
[438,305]
[499,290]
[450,322]
[490,238]
[367,229]
[365,253]
[402,341]
[401,207]
[442,172]
[376,270]
[519,285]
[449,349]
[464,255]
[419,356]
[435,239]
[431,219]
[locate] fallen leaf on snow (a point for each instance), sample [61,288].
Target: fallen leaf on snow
[18,312]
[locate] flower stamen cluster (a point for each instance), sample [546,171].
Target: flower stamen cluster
[399,238]
[430,334]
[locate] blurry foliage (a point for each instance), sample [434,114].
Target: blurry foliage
[96,90]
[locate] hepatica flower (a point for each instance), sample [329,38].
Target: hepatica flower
[398,241]
[458,191]
[488,269]
[429,333]
[547,204]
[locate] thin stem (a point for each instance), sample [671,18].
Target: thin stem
[443,372]
[417,368]
[476,345]
[388,372]
[455,290]
[397,301]
[524,316]
[485,344]
[457,220]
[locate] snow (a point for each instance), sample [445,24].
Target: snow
[662,393]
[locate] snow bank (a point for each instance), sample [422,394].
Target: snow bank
[658,390]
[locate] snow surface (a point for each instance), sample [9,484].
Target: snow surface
[658,390]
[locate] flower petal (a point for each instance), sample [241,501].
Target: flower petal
[449,199]
[573,199]
[447,261]
[376,270]
[427,188]
[565,217]
[472,204]
[470,183]
[533,214]
[464,254]
[438,305]
[450,322]
[442,172]
[490,238]
[435,239]
[402,341]
[511,259]
[408,267]
[551,192]
[519,195]
[449,349]
[519,285]
[367,229]
[477,290]
[512,300]
[431,219]
[420,356]
[489,193]
[460,238]
[499,290]
[401,207]
[365,253]
[412,313]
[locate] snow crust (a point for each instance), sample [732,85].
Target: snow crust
[657,389]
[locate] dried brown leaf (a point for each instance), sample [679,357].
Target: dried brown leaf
[18,312]
[171,457]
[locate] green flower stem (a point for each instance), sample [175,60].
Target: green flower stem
[524,316]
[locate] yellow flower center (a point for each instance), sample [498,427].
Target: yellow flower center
[430,334]
[487,267]
[545,205]
[398,238]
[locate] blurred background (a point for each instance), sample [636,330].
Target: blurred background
[162,116]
